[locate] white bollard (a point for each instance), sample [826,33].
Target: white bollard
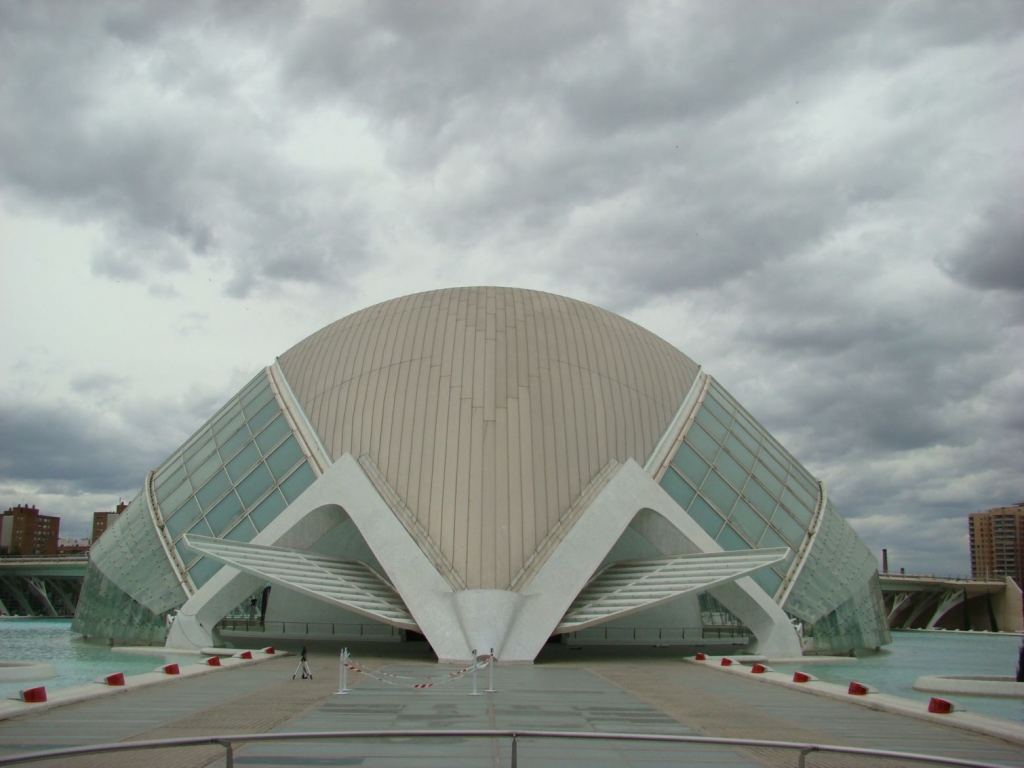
[343,673]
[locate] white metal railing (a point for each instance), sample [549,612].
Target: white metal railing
[229,742]
[307,628]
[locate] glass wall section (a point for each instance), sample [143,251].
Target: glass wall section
[740,485]
[837,594]
[233,477]
[130,585]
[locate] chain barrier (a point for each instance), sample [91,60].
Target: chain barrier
[348,664]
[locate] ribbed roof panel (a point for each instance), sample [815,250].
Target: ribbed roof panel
[488,410]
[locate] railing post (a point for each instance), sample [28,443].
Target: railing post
[490,673]
[515,751]
[229,758]
[474,693]
[344,672]
[802,762]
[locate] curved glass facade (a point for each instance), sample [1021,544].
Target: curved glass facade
[747,492]
[233,477]
[230,480]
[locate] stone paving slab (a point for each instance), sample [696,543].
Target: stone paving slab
[657,694]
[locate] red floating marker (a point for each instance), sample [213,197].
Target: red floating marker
[172,669]
[700,657]
[857,689]
[34,695]
[269,650]
[244,655]
[115,679]
[213,661]
[940,706]
[801,677]
[726,662]
[757,669]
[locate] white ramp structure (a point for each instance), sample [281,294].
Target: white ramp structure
[487,468]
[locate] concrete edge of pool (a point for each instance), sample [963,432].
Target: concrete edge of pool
[58,697]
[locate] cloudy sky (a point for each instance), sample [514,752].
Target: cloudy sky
[821,203]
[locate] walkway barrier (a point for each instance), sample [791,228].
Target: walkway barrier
[347,664]
[229,743]
[35,695]
[171,669]
[115,679]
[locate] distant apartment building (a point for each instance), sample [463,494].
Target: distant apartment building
[997,543]
[23,531]
[103,520]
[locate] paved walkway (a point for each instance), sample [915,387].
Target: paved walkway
[581,693]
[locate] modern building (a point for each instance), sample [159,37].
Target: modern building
[997,543]
[486,468]
[25,532]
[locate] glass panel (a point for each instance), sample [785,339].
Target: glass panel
[768,480]
[207,470]
[706,517]
[729,540]
[243,462]
[739,451]
[235,442]
[169,505]
[222,515]
[768,580]
[169,482]
[269,411]
[201,528]
[225,417]
[244,531]
[203,570]
[760,498]
[186,554]
[196,443]
[297,482]
[749,523]
[677,488]
[284,458]
[268,510]
[808,499]
[253,406]
[731,470]
[702,441]
[719,492]
[254,388]
[690,464]
[712,425]
[797,509]
[788,527]
[204,450]
[772,539]
[207,495]
[746,438]
[272,434]
[228,430]
[772,463]
[183,518]
[255,485]
[720,412]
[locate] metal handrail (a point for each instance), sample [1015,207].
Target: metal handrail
[229,742]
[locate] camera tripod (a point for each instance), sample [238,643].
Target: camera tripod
[303,666]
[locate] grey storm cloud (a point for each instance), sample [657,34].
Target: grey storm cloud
[816,201]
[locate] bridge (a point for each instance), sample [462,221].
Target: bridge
[49,586]
[41,586]
[952,602]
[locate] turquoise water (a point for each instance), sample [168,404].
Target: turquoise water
[913,654]
[74,660]
[891,670]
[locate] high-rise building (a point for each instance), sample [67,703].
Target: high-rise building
[23,531]
[997,543]
[103,520]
